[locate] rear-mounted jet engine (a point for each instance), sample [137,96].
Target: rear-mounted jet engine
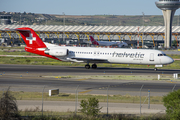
[57,52]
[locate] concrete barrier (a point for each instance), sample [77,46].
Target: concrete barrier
[176,75]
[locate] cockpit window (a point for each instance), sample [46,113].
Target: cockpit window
[161,54]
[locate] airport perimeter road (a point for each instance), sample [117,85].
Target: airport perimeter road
[87,86]
[17,77]
[64,106]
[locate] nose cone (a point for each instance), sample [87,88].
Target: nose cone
[169,60]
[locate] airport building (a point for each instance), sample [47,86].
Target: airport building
[5,19]
[168,8]
[149,36]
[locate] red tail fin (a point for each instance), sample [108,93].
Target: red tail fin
[94,41]
[33,42]
[31,38]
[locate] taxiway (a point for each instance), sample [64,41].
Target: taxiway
[34,78]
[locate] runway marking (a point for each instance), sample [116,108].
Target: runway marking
[81,79]
[115,86]
[58,77]
[85,91]
[170,82]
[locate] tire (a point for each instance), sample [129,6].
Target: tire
[94,66]
[155,69]
[87,66]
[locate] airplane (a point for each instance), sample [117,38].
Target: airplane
[106,43]
[91,54]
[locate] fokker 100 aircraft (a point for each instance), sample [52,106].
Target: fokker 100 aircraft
[91,55]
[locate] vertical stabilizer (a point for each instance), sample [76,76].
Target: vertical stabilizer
[94,42]
[31,38]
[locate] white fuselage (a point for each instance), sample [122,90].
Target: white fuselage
[114,55]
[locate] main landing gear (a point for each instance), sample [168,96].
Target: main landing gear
[155,69]
[94,66]
[87,66]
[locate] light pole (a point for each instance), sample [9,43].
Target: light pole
[64,26]
[143,31]
[76,99]
[58,36]
[140,98]
[42,100]
[107,97]
[20,19]
[178,20]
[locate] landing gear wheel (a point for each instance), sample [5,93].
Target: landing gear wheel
[155,69]
[94,66]
[87,66]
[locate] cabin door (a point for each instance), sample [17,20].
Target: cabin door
[151,57]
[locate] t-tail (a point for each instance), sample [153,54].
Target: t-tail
[34,44]
[94,42]
[31,39]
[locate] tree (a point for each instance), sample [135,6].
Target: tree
[8,106]
[90,107]
[172,104]
[174,43]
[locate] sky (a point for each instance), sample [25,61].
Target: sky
[83,7]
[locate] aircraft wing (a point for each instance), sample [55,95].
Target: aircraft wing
[96,60]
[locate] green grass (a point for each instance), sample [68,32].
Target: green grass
[120,77]
[49,115]
[37,112]
[9,48]
[71,97]
[16,52]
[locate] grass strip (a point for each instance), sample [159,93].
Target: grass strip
[71,97]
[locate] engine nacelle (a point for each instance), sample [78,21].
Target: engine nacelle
[57,52]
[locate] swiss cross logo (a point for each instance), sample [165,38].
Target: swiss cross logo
[31,38]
